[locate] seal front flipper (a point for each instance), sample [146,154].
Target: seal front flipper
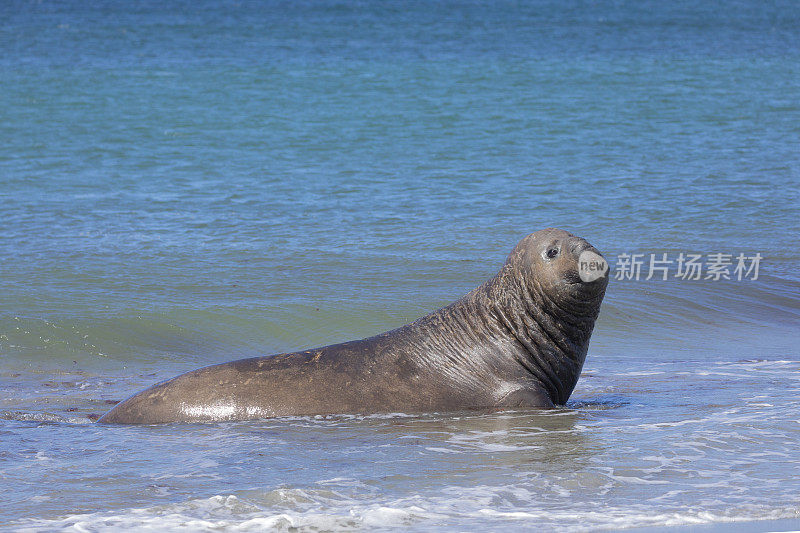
[533,397]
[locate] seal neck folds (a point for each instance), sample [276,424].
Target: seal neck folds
[548,327]
[551,340]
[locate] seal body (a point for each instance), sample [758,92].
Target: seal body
[517,341]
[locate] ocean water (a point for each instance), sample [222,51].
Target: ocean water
[185,183]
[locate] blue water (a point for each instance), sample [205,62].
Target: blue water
[184,183]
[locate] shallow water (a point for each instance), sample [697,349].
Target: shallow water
[185,184]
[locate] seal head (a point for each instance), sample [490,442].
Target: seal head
[541,300]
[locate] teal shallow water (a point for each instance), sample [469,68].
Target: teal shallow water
[186,184]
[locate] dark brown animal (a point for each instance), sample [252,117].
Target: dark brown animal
[517,341]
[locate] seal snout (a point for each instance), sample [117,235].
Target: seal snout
[578,245]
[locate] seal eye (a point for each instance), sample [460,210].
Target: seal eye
[552,252]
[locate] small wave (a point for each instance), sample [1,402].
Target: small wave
[696,305]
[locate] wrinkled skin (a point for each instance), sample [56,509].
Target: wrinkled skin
[517,341]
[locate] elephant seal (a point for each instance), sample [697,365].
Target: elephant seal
[517,341]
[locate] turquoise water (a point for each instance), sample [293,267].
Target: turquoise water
[190,183]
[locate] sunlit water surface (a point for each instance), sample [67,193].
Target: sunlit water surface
[185,184]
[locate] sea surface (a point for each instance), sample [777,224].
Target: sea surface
[185,183]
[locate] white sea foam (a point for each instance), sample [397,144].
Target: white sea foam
[25,416]
[229,513]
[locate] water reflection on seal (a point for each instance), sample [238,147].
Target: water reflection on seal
[517,341]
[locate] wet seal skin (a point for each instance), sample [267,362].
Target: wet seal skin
[517,341]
